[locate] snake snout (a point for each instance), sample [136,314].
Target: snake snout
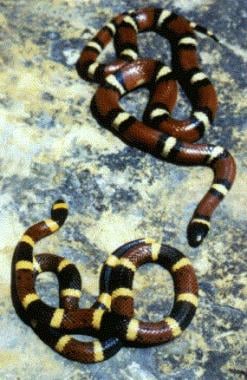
[196,233]
[59,211]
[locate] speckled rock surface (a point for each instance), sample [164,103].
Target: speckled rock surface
[51,147]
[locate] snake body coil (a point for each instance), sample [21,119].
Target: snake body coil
[111,318]
[159,134]
[106,109]
[180,33]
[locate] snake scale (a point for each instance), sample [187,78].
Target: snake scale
[111,319]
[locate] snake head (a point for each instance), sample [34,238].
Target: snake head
[196,233]
[59,211]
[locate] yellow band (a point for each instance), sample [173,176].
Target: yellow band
[202,221]
[122,292]
[188,297]
[174,326]
[132,330]
[29,298]
[52,225]
[27,239]
[36,265]
[60,205]
[105,299]
[61,343]
[97,317]
[71,293]
[180,264]
[127,264]
[98,351]
[24,264]
[155,247]
[64,263]
[57,318]
[112,261]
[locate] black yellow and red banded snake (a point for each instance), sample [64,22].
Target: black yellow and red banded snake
[111,318]
[168,139]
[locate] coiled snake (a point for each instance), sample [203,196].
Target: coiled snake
[159,134]
[111,318]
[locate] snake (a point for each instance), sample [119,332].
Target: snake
[159,134]
[111,319]
[180,33]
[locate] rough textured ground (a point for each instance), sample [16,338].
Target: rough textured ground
[50,146]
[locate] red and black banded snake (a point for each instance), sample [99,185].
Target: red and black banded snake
[185,66]
[111,318]
[160,134]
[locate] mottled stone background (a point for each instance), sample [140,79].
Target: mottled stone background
[50,146]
